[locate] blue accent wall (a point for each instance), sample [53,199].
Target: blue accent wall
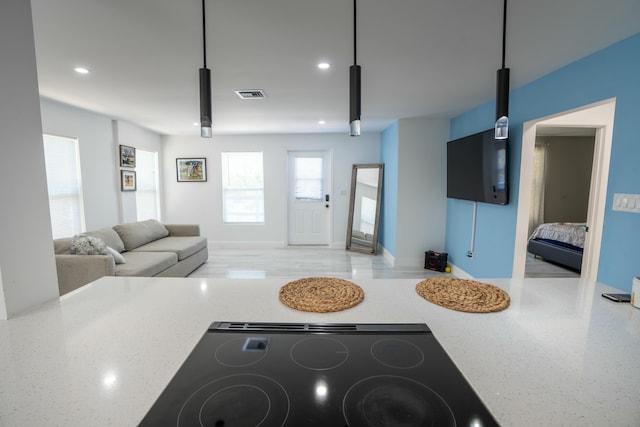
[389,142]
[612,72]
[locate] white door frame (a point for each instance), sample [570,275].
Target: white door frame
[600,116]
[328,187]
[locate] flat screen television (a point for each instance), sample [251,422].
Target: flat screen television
[478,168]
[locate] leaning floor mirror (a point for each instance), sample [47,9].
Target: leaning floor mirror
[364,208]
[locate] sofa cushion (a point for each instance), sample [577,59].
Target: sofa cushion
[62,245]
[136,234]
[110,237]
[184,247]
[145,264]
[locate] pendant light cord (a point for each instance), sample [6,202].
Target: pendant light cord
[504,32]
[204,37]
[355,47]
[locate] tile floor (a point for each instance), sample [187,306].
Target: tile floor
[299,262]
[539,268]
[319,261]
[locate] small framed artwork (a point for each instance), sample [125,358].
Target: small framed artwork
[127,180]
[191,170]
[127,157]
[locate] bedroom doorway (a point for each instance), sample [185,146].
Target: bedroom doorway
[563,163]
[598,120]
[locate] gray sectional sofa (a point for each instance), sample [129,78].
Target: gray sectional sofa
[145,248]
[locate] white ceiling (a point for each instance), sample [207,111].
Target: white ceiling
[419,57]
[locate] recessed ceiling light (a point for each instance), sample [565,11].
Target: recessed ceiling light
[81,70]
[321,122]
[324,65]
[196,124]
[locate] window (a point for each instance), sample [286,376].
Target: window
[147,203]
[64,185]
[308,176]
[242,188]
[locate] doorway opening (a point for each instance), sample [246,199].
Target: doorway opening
[596,119]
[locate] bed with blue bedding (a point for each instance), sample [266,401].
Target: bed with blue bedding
[559,242]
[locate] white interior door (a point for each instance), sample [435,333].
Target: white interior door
[309,201]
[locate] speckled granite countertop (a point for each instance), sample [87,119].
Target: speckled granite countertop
[559,355]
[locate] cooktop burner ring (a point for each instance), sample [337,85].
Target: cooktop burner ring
[397,353]
[202,415]
[319,353]
[239,399]
[389,400]
[240,352]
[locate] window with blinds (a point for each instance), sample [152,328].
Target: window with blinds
[242,187]
[147,195]
[64,185]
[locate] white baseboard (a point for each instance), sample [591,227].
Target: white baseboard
[217,244]
[387,255]
[460,273]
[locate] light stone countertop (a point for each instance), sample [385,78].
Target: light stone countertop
[560,355]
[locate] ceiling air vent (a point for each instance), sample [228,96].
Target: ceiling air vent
[251,94]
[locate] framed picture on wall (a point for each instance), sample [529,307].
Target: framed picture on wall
[127,180]
[191,170]
[127,157]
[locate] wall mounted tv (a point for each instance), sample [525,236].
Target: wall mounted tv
[478,168]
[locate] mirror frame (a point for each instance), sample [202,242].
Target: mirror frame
[354,179]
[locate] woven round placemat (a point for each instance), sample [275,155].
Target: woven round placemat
[463,295]
[321,294]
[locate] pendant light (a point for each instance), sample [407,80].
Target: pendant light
[354,85]
[205,86]
[502,87]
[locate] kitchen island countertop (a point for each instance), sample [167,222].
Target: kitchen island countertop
[100,356]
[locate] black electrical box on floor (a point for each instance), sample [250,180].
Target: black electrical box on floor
[436,261]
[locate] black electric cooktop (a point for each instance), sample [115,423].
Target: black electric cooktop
[330,375]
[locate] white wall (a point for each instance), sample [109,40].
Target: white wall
[98,158]
[27,266]
[99,138]
[422,199]
[134,136]
[196,202]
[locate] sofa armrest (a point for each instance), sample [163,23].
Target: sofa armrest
[75,271]
[176,230]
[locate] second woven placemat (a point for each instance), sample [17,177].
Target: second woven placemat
[321,294]
[463,295]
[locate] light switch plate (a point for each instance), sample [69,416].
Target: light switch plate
[626,202]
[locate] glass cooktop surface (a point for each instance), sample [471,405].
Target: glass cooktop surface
[269,374]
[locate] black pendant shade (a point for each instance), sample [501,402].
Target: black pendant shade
[205,103]
[205,86]
[354,100]
[502,88]
[502,93]
[354,84]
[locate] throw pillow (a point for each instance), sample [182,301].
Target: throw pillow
[109,236]
[117,256]
[88,245]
